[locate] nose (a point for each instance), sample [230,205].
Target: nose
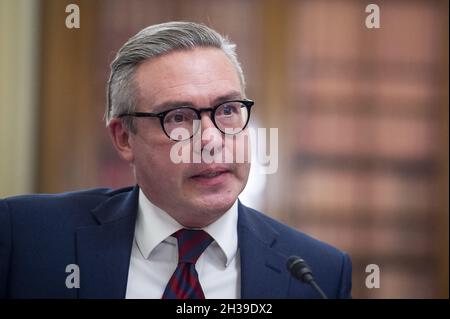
[211,136]
[206,120]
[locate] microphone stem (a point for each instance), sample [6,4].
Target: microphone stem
[316,286]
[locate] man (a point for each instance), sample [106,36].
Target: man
[181,231]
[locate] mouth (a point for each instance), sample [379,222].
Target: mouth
[211,176]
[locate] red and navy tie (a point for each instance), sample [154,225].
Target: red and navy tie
[184,282]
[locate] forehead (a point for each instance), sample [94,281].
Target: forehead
[200,75]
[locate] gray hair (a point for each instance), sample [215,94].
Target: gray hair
[151,42]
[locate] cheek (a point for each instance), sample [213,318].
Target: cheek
[239,147]
[155,161]
[243,171]
[155,164]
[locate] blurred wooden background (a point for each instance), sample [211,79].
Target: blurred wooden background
[362,117]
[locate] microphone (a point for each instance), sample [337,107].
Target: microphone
[299,269]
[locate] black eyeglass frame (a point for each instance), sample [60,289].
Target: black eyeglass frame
[161,115]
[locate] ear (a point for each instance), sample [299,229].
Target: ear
[120,136]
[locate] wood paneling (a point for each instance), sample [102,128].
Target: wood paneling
[68,143]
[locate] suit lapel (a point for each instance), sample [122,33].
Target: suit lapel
[263,273]
[103,250]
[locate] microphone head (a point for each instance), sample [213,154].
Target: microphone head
[299,269]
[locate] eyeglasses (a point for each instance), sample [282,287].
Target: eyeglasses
[230,117]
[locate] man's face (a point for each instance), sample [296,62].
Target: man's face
[195,194]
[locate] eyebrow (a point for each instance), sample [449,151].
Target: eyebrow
[167,105]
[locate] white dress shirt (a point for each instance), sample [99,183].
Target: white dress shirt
[154,255]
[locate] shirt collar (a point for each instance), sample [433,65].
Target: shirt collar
[153,226]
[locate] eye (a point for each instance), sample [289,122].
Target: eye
[175,118]
[229,109]
[180,116]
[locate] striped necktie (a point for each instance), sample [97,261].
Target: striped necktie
[184,283]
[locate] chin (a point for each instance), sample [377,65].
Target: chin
[215,203]
[206,210]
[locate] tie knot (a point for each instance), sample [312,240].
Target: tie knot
[191,244]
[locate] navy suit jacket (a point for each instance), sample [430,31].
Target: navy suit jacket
[41,234]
